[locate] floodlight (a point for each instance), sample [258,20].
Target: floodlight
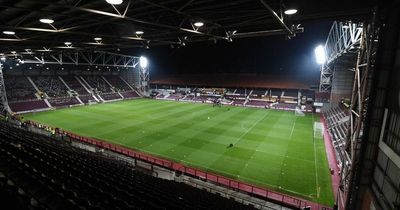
[3,58]
[114,2]
[9,32]
[46,20]
[320,55]
[67,43]
[290,11]
[143,62]
[98,39]
[198,24]
[139,32]
[13,52]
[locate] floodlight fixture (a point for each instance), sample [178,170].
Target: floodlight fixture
[13,52]
[320,55]
[69,44]
[46,20]
[198,24]
[139,32]
[114,2]
[290,11]
[3,58]
[98,39]
[9,32]
[143,62]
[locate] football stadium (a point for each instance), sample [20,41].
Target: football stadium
[183,104]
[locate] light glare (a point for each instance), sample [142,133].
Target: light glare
[139,32]
[143,62]
[114,2]
[320,55]
[9,32]
[290,11]
[46,20]
[198,24]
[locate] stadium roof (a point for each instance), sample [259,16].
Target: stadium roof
[234,81]
[96,24]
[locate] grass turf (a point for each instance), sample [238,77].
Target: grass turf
[273,149]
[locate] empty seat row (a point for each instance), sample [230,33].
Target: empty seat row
[52,174]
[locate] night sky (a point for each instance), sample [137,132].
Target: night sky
[272,55]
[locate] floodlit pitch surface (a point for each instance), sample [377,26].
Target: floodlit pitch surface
[274,149]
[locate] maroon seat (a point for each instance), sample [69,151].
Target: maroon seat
[27,105]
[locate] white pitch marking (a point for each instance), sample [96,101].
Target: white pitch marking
[291,133]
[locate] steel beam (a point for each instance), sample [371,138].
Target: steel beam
[85,59]
[277,18]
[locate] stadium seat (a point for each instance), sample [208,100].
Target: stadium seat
[57,175]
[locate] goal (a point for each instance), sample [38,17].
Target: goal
[298,112]
[318,130]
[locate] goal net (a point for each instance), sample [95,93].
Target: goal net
[318,130]
[298,112]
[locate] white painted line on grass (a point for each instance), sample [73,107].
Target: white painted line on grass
[291,133]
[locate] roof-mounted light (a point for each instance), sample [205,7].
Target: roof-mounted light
[9,32]
[114,2]
[290,11]
[46,20]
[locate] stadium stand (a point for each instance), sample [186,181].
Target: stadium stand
[64,101]
[290,93]
[86,98]
[18,88]
[110,96]
[238,102]
[258,97]
[308,94]
[233,81]
[285,106]
[337,119]
[276,92]
[242,92]
[74,84]
[257,103]
[52,86]
[44,173]
[97,83]
[130,94]
[175,96]
[21,106]
[117,83]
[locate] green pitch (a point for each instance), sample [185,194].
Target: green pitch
[272,149]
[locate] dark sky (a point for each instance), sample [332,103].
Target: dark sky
[263,55]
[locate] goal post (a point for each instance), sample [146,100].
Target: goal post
[318,130]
